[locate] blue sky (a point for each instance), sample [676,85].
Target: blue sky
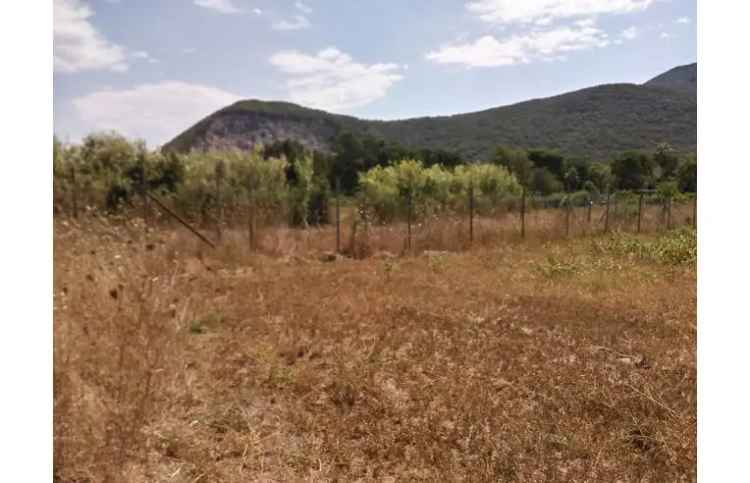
[151,68]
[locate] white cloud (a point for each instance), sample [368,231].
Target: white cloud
[683,20]
[300,22]
[257,11]
[78,46]
[544,11]
[154,112]
[331,80]
[189,50]
[143,55]
[221,6]
[629,33]
[304,8]
[487,51]
[665,35]
[586,22]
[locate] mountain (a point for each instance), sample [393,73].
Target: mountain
[597,123]
[684,78]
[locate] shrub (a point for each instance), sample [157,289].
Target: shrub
[388,191]
[677,247]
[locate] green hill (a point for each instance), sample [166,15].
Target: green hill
[684,77]
[597,123]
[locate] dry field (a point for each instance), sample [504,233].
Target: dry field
[562,360]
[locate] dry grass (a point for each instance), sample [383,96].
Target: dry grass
[538,361]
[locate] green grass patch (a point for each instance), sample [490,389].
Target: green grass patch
[676,247]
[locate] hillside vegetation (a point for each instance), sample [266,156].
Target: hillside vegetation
[684,77]
[594,123]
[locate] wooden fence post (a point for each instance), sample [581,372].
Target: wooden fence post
[523,213]
[338,215]
[640,211]
[471,213]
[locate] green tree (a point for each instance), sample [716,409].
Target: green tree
[633,170]
[687,175]
[544,182]
[516,161]
[549,160]
[300,189]
[600,176]
[583,169]
[348,161]
[667,160]
[667,189]
[320,193]
[288,148]
[571,179]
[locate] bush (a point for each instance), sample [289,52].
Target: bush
[317,209]
[633,170]
[677,247]
[687,175]
[544,182]
[388,191]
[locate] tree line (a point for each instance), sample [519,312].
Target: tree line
[547,172]
[108,171]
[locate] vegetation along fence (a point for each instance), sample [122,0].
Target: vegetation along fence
[403,207]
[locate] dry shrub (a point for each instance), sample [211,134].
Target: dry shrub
[113,345]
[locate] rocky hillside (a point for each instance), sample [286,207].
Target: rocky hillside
[597,123]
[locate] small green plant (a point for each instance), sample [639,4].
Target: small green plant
[438,263]
[553,267]
[202,324]
[389,267]
[196,326]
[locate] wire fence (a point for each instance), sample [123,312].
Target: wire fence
[351,226]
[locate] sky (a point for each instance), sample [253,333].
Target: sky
[151,68]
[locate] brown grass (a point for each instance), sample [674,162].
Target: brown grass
[174,362]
